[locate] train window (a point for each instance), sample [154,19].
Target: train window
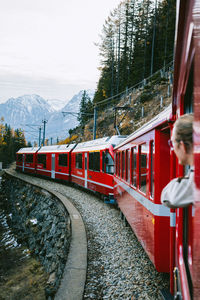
[29,158]
[42,160]
[20,157]
[108,163]
[116,163]
[119,164]
[152,156]
[79,161]
[94,161]
[143,168]
[127,165]
[134,167]
[123,164]
[189,97]
[63,160]
[91,161]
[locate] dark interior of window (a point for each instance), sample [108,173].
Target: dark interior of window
[79,164]
[189,98]
[94,161]
[42,160]
[62,160]
[134,167]
[108,163]
[29,158]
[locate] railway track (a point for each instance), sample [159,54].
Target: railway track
[118,267]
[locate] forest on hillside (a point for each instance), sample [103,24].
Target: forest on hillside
[137,40]
[10,142]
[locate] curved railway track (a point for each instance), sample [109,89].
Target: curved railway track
[118,267]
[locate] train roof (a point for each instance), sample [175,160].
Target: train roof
[161,118]
[57,148]
[28,150]
[99,144]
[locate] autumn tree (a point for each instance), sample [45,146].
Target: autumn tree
[10,142]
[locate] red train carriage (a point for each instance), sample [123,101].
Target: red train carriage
[26,159]
[54,161]
[92,165]
[141,171]
[186,98]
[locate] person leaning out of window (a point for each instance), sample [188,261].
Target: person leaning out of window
[179,191]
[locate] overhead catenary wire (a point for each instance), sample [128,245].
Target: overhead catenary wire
[137,85]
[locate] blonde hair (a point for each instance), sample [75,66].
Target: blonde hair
[184,130]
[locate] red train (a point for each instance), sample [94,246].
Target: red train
[144,164]
[88,164]
[139,180]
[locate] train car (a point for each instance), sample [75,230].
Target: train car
[26,159]
[92,165]
[141,172]
[55,161]
[186,98]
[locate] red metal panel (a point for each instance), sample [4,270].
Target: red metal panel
[196,219]
[151,229]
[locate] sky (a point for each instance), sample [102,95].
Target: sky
[47,47]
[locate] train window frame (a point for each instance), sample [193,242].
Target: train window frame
[134,166]
[79,161]
[62,161]
[29,158]
[123,165]
[42,159]
[107,165]
[115,163]
[141,165]
[96,166]
[94,161]
[119,164]
[152,169]
[127,167]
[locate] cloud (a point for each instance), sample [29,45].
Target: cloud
[18,85]
[48,46]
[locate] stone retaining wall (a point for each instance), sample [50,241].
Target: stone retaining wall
[42,221]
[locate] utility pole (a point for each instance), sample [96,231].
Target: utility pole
[40,128]
[95,123]
[44,121]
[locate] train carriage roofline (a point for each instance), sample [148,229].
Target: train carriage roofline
[57,148]
[28,150]
[100,144]
[161,118]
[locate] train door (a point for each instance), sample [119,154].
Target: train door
[86,170]
[53,166]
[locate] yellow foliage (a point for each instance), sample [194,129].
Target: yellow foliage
[68,140]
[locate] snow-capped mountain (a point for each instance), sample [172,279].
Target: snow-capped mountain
[60,122]
[27,112]
[25,109]
[57,104]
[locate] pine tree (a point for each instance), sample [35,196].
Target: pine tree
[137,39]
[85,109]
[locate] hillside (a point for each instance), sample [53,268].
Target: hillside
[144,101]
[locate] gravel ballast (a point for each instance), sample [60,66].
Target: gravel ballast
[118,267]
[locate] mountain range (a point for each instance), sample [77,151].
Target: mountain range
[29,111]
